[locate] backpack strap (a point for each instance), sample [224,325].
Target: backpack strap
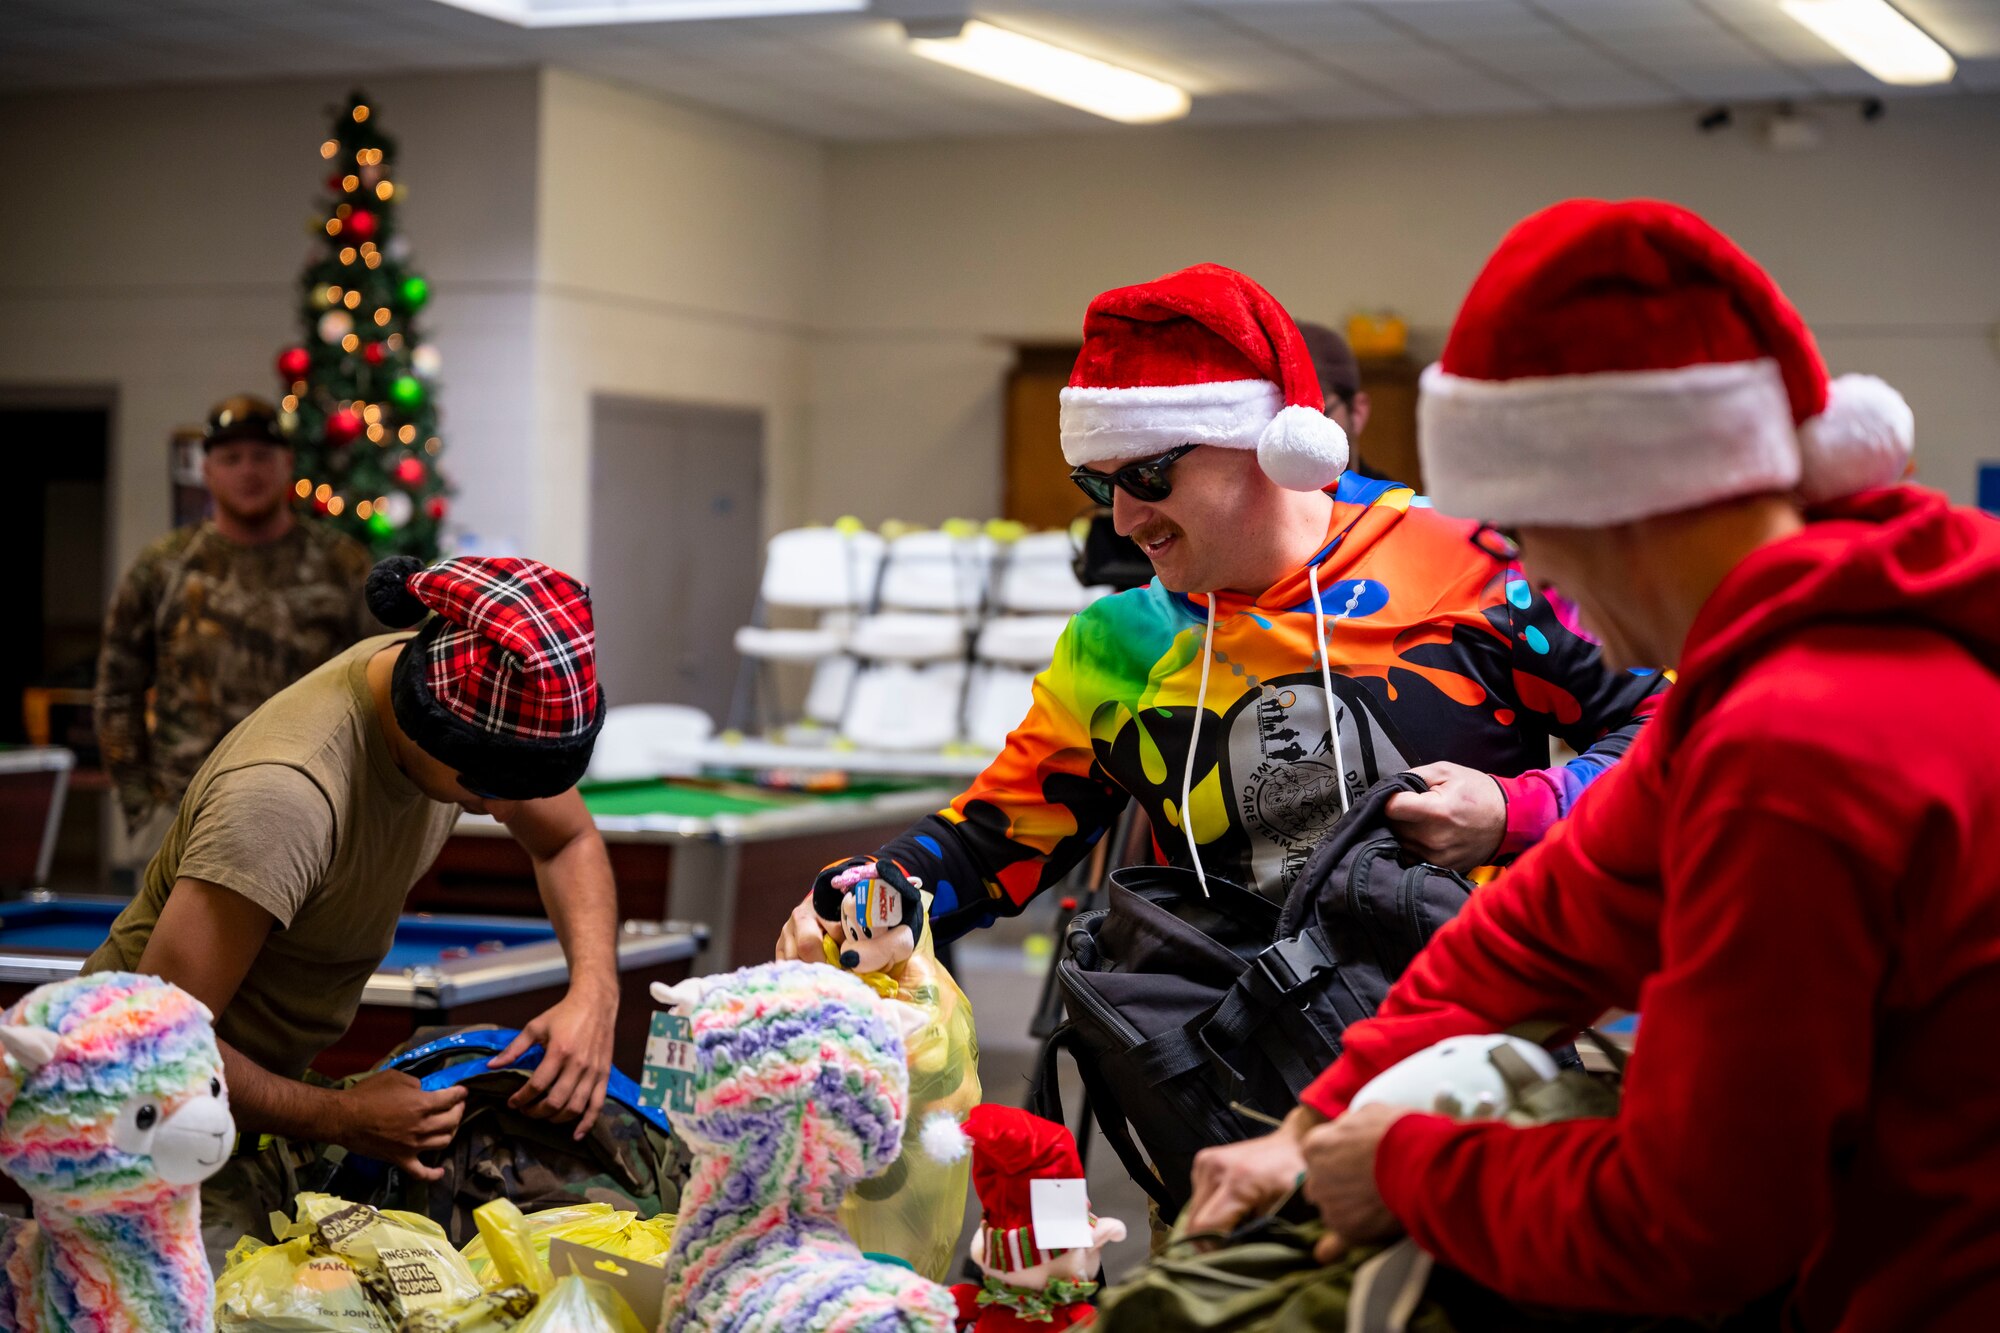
[1104,1104]
[1543,1031]
[1274,978]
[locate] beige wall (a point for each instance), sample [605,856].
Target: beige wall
[156,241]
[946,252]
[678,257]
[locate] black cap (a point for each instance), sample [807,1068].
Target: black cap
[1333,361]
[242,417]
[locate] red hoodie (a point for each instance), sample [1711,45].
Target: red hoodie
[1795,876]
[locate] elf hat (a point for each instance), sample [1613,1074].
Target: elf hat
[1618,360]
[1202,356]
[501,681]
[1010,1147]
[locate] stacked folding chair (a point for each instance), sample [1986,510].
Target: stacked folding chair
[831,572]
[910,690]
[1035,593]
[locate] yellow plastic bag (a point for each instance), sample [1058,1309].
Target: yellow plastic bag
[488,1312]
[916,1208]
[404,1259]
[578,1305]
[512,1247]
[286,1288]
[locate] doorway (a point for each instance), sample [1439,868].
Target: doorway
[676,547]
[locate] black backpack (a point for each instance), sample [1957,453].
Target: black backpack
[1185,1008]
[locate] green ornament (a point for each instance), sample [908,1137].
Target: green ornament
[378,523]
[407,393]
[415,292]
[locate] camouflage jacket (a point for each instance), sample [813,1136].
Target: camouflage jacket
[214,629]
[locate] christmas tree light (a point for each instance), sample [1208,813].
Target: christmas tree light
[361,381]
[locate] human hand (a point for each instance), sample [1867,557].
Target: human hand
[389,1115]
[575,1036]
[1239,1181]
[801,941]
[1340,1179]
[1458,824]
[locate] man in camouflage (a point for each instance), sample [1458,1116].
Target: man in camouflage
[218,617]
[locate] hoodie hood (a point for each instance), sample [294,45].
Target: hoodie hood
[1364,512]
[1903,555]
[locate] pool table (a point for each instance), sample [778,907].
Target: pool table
[440,970]
[733,856]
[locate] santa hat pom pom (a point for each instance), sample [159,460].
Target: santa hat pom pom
[1302,449]
[389,595]
[943,1139]
[1862,440]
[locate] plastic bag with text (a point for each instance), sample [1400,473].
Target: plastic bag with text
[916,1209]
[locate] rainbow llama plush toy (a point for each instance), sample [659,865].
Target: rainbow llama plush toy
[112,1113]
[800,1089]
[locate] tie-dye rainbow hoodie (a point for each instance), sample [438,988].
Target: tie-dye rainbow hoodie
[1437,651]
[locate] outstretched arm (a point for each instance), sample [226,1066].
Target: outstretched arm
[573,872]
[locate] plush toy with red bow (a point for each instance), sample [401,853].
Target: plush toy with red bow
[1029,1285]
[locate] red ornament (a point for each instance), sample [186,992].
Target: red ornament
[373,354]
[360,225]
[293,363]
[410,471]
[320,507]
[336,184]
[343,426]
[436,508]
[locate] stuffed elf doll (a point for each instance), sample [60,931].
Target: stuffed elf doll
[1028,1287]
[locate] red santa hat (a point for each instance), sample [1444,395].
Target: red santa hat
[1618,360]
[1010,1147]
[1202,356]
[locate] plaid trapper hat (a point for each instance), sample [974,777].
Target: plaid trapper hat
[501,681]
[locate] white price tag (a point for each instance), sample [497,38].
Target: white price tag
[1060,1210]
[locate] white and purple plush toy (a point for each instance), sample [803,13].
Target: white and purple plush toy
[112,1113]
[800,1090]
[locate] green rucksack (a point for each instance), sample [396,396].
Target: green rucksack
[1263,1278]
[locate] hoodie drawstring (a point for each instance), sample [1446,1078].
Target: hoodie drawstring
[1326,683]
[1194,740]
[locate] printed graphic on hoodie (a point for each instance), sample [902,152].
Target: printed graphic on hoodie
[1435,651]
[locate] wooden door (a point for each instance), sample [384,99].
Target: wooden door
[1037,489]
[1388,444]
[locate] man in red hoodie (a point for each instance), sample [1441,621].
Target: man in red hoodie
[1795,874]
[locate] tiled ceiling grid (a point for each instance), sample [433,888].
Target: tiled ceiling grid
[847,76]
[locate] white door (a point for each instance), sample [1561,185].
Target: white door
[675,547]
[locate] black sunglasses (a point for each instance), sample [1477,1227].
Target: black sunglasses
[1144,480]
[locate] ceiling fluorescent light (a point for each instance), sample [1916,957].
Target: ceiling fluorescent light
[1054,72]
[584,13]
[1876,37]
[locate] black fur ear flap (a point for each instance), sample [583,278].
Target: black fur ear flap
[389,596]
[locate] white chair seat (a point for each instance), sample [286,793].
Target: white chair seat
[937,571]
[821,568]
[908,636]
[1038,574]
[1026,641]
[649,741]
[901,706]
[1000,699]
[826,697]
[787,645]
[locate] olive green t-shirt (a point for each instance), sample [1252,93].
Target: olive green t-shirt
[301,810]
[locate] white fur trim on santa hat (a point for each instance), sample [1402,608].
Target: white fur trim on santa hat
[1303,450]
[1299,448]
[1124,425]
[1594,450]
[1862,440]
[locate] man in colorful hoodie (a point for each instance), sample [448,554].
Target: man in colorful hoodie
[1795,875]
[1283,600]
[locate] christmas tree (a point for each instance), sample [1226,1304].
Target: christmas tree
[360,388]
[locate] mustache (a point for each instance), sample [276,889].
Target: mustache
[1154,532]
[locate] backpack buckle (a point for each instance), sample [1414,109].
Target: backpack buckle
[1291,963]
